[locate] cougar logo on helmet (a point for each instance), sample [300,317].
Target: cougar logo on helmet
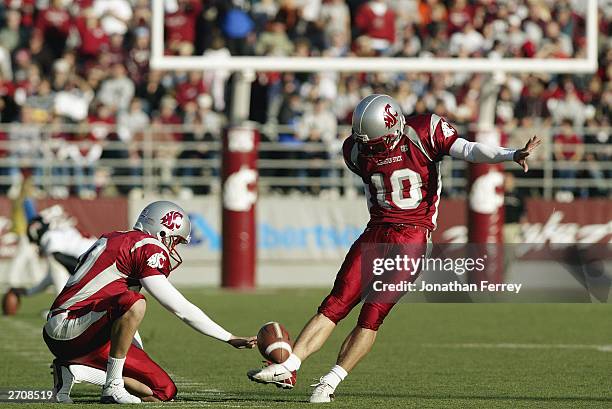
[389,117]
[172,220]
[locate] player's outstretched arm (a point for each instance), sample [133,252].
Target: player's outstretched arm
[481,153]
[520,156]
[168,296]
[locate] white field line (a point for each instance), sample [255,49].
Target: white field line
[202,405]
[509,345]
[24,340]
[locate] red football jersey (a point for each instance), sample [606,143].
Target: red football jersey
[114,263]
[403,184]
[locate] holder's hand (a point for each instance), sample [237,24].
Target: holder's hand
[242,342]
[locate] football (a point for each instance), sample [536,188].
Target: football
[10,303]
[274,342]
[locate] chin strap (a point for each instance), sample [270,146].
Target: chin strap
[171,242]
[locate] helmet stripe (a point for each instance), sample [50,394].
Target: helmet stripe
[363,114]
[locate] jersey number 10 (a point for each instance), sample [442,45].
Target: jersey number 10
[398,200]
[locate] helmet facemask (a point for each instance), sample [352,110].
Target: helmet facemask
[171,242]
[379,146]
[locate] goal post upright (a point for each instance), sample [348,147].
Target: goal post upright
[245,67]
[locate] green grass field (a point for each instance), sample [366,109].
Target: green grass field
[426,356]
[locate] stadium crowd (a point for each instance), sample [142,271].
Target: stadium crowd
[85,63]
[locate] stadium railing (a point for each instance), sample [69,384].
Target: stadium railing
[166,158]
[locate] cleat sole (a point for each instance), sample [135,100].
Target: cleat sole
[278,384]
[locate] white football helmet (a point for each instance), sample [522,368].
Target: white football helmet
[169,223]
[378,122]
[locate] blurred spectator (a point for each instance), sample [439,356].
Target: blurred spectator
[555,44]
[73,98]
[460,15]
[93,38]
[116,51]
[131,126]
[567,104]
[189,90]
[216,80]
[514,210]
[290,110]
[600,153]
[139,55]
[289,15]
[26,145]
[411,43]
[263,11]
[207,127]
[569,150]
[54,23]
[151,92]
[180,25]
[12,35]
[376,20]
[467,41]
[165,137]
[212,123]
[274,41]
[321,85]
[5,63]
[349,95]
[132,122]
[118,90]
[336,21]
[505,108]
[42,100]
[63,59]
[532,102]
[318,125]
[236,27]
[84,151]
[40,54]
[114,15]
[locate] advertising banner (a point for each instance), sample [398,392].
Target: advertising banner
[288,229]
[315,230]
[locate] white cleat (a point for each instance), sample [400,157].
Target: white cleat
[275,374]
[63,380]
[115,392]
[323,392]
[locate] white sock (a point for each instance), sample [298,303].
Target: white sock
[335,376]
[292,363]
[88,374]
[114,369]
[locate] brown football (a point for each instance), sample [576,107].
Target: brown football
[274,342]
[10,303]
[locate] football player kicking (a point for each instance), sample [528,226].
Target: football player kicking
[399,163]
[92,325]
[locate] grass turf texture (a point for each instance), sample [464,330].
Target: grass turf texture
[426,356]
